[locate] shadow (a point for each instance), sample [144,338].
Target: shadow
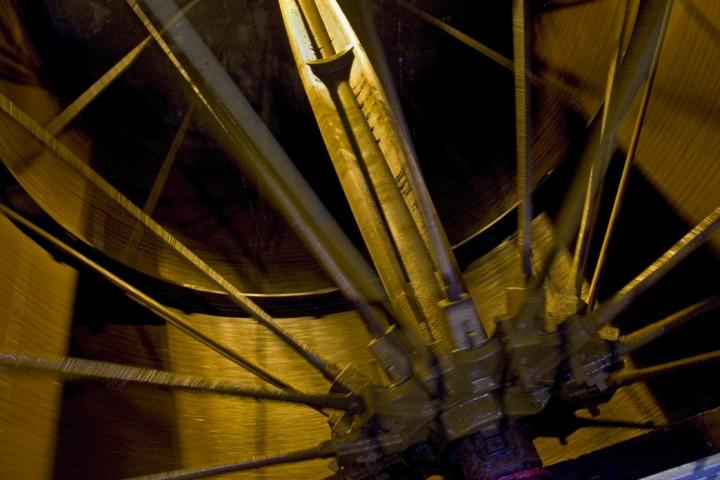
[113,431]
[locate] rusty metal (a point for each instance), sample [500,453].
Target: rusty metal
[362,136]
[587,352]
[507,453]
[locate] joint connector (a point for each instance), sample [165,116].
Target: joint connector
[464,323]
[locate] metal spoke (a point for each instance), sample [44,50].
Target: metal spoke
[162,175]
[323,450]
[329,369]
[66,116]
[371,153]
[632,341]
[161,310]
[651,21]
[628,376]
[418,197]
[595,181]
[523,131]
[253,146]
[488,52]
[125,374]
[549,84]
[629,160]
[59,123]
[651,18]
[383,252]
[694,239]
[608,311]
[158,184]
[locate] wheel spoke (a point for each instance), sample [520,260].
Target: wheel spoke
[364,140]
[694,239]
[523,131]
[485,373]
[161,178]
[486,51]
[376,165]
[161,310]
[651,18]
[628,376]
[242,132]
[158,185]
[632,341]
[595,182]
[371,218]
[629,160]
[329,369]
[105,371]
[59,123]
[548,84]
[324,450]
[418,197]
[608,311]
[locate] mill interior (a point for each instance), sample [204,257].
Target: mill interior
[359,239]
